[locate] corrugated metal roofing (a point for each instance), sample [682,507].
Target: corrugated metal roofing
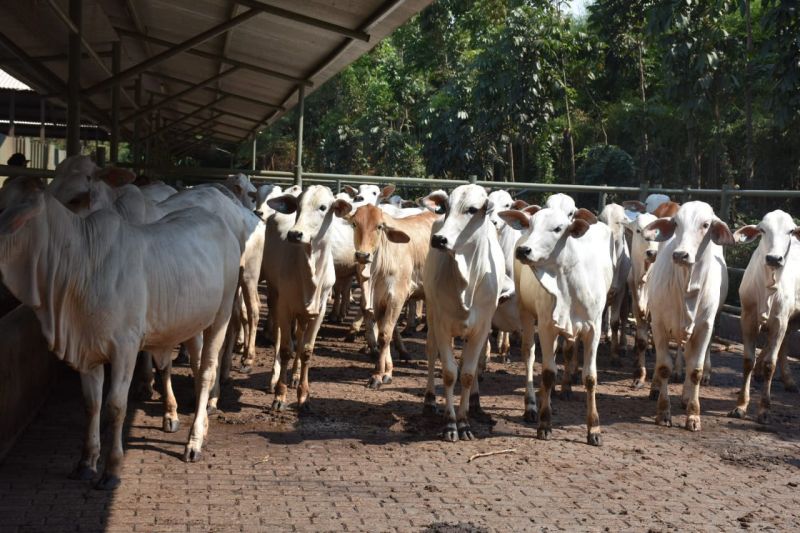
[7,81]
[254,68]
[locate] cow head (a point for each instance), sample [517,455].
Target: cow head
[369,225]
[692,227]
[466,211]
[243,189]
[562,202]
[777,231]
[315,209]
[547,232]
[21,200]
[368,194]
[642,250]
[83,187]
[500,200]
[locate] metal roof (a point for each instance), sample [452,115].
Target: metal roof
[220,68]
[7,81]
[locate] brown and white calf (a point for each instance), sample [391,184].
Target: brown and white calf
[770,296]
[688,283]
[391,253]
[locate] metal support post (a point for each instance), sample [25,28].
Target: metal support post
[137,126]
[12,105]
[116,60]
[298,168]
[74,80]
[254,151]
[602,199]
[41,123]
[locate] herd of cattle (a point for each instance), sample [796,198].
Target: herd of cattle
[113,267]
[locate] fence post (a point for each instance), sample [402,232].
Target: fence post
[473,178]
[602,198]
[724,203]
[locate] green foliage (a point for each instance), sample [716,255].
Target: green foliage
[606,165]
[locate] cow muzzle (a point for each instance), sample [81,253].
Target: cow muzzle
[439,242]
[774,261]
[650,256]
[523,253]
[363,257]
[294,236]
[679,257]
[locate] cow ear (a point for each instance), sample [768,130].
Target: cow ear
[667,210]
[532,209]
[585,215]
[634,205]
[341,208]
[286,204]
[350,190]
[387,191]
[115,176]
[659,230]
[396,235]
[519,205]
[578,228]
[747,234]
[721,233]
[516,219]
[436,202]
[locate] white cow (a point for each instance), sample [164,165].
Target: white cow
[563,274]
[243,189]
[562,202]
[300,271]
[770,296]
[613,215]
[688,283]
[643,254]
[463,280]
[157,191]
[172,280]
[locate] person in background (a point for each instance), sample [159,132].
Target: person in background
[18,160]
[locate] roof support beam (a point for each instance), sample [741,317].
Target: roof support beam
[172,52]
[178,95]
[74,79]
[186,117]
[167,77]
[116,63]
[303,19]
[215,57]
[228,124]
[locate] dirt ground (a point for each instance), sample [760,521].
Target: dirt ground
[371,461]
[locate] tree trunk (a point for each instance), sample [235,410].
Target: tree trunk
[568,133]
[511,176]
[643,164]
[749,163]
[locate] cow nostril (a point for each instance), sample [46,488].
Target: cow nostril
[523,251]
[438,241]
[774,260]
[295,236]
[680,256]
[651,253]
[362,256]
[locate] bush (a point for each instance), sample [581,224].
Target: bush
[606,165]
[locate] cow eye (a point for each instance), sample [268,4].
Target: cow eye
[472,210]
[706,225]
[323,207]
[638,231]
[557,229]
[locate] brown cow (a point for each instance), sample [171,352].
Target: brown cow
[391,253]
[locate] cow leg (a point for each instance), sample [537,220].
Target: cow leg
[92,386]
[299,335]
[661,376]
[570,357]
[195,347]
[590,342]
[285,351]
[252,305]
[399,345]
[789,384]
[529,352]
[749,322]
[503,346]
[642,334]
[449,373]
[471,353]
[117,406]
[678,374]
[277,335]
[429,404]
[335,316]
[309,339]
[475,410]
[388,317]
[170,422]
[695,352]
[548,339]
[707,366]
[770,356]
[213,339]
[143,389]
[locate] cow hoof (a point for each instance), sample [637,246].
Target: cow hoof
[278,405]
[192,455]
[790,387]
[450,433]
[465,433]
[245,369]
[107,482]
[543,433]
[387,379]
[170,425]
[594,439]
[638,384]
[566,395]
[653,394]
[531,416]
[738,412]
[693,423]
[763,418]
[211,409]
[375,383]
[664,419]
[82,473]
[616,362]
[295,383]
